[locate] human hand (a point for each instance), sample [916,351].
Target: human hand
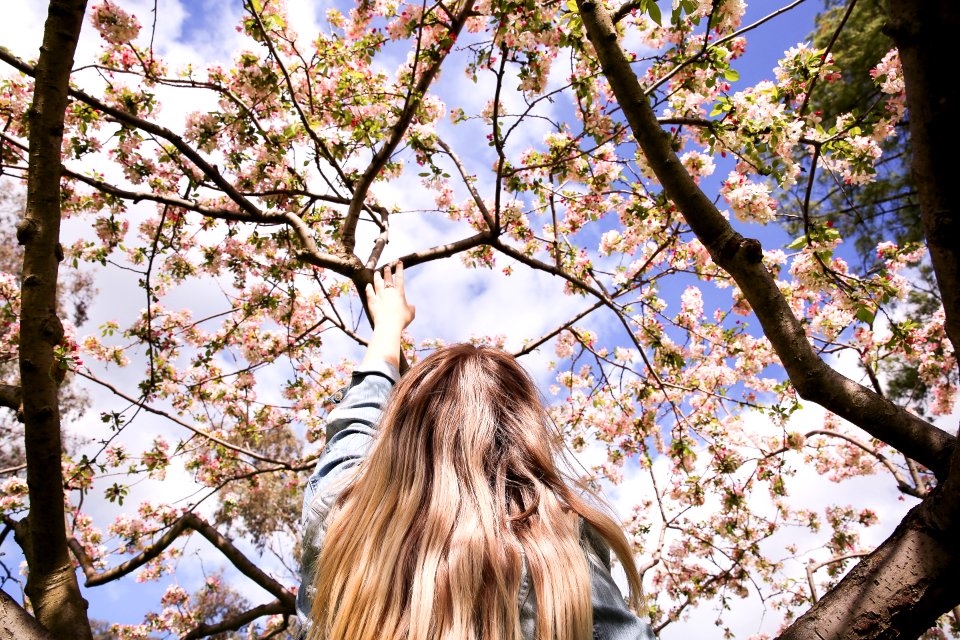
[387,301]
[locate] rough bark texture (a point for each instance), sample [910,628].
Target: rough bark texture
[17,623]
[924,33]
[51,582]
[900,589]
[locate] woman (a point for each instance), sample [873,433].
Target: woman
[446,516]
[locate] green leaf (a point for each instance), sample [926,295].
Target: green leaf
[799,243]
[864,314]
[654,11]
[731,75]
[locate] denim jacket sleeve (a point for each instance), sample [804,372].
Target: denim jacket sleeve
[351,431]
[612,619]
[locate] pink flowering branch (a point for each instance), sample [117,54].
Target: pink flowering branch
[311,253]
[190,205]
[907,582]
[283,464]
[187,522]
[736,34]
[741,258]
[129,119]
[916,490]
[692,596]
[304,121]
[397,131]
[533,345]
[468,182]
[232,97]
[823,56]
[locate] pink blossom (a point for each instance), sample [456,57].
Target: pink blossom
[115,25]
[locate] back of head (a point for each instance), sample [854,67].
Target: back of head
[429,540]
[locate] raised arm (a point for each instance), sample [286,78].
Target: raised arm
[352,425]
[390,312]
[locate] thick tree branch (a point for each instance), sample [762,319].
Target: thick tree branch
[10,396]
[741,258]
[235,622]
[397,131]
[625,9]
[446,250]
[193,522]
[904,585]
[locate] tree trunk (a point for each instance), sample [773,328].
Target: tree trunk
[923,32]
[51,581]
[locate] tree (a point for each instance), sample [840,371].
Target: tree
[275,195]
[51,583]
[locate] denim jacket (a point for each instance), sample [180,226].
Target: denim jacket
[351,431]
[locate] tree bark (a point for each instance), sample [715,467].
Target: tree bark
[51,581]
[17,623]
[900,589]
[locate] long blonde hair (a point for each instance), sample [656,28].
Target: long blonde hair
[428,540]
